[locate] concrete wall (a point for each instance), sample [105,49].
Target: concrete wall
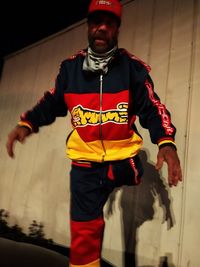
[150,221]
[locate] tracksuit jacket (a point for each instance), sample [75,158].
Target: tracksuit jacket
[104,108]
[103,111]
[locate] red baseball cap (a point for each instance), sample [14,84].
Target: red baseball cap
[111,6]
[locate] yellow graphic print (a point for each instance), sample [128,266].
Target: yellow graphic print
[82,117]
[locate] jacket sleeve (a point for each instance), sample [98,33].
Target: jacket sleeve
[50,106]
[152,114]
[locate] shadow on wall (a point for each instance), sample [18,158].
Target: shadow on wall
[35,236]
[32,249]
[138,201]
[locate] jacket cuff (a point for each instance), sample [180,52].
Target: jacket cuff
[26,125]
[164,143]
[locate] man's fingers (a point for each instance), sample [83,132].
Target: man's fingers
[175,174]
[17,134]
[21,139]
[159,163]
[9,147]
[12,138]
[170,156]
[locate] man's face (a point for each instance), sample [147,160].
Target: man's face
[103,32]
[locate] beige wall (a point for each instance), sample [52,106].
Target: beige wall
[152,220]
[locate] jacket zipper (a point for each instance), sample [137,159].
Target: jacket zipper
[100,116]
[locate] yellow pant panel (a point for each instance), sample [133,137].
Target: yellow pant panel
[91,264]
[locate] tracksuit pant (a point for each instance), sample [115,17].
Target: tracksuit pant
[91,184]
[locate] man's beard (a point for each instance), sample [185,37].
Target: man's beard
[109,44]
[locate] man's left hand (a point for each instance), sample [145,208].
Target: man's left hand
[170,156]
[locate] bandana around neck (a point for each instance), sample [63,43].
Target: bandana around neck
[98,62]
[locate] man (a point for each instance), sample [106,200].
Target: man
[104,88]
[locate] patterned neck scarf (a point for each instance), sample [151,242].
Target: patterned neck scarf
[98,62]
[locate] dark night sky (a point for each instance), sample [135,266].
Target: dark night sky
[25,23]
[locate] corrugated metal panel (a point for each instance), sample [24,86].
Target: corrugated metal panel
[190,238]
[152,220]
[38,169]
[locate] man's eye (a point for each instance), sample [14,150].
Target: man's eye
[95,21]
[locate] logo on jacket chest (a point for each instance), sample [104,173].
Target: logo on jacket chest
[82,116]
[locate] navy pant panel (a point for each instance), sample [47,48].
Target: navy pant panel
[90,188]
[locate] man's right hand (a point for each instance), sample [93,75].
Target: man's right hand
[19,133]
